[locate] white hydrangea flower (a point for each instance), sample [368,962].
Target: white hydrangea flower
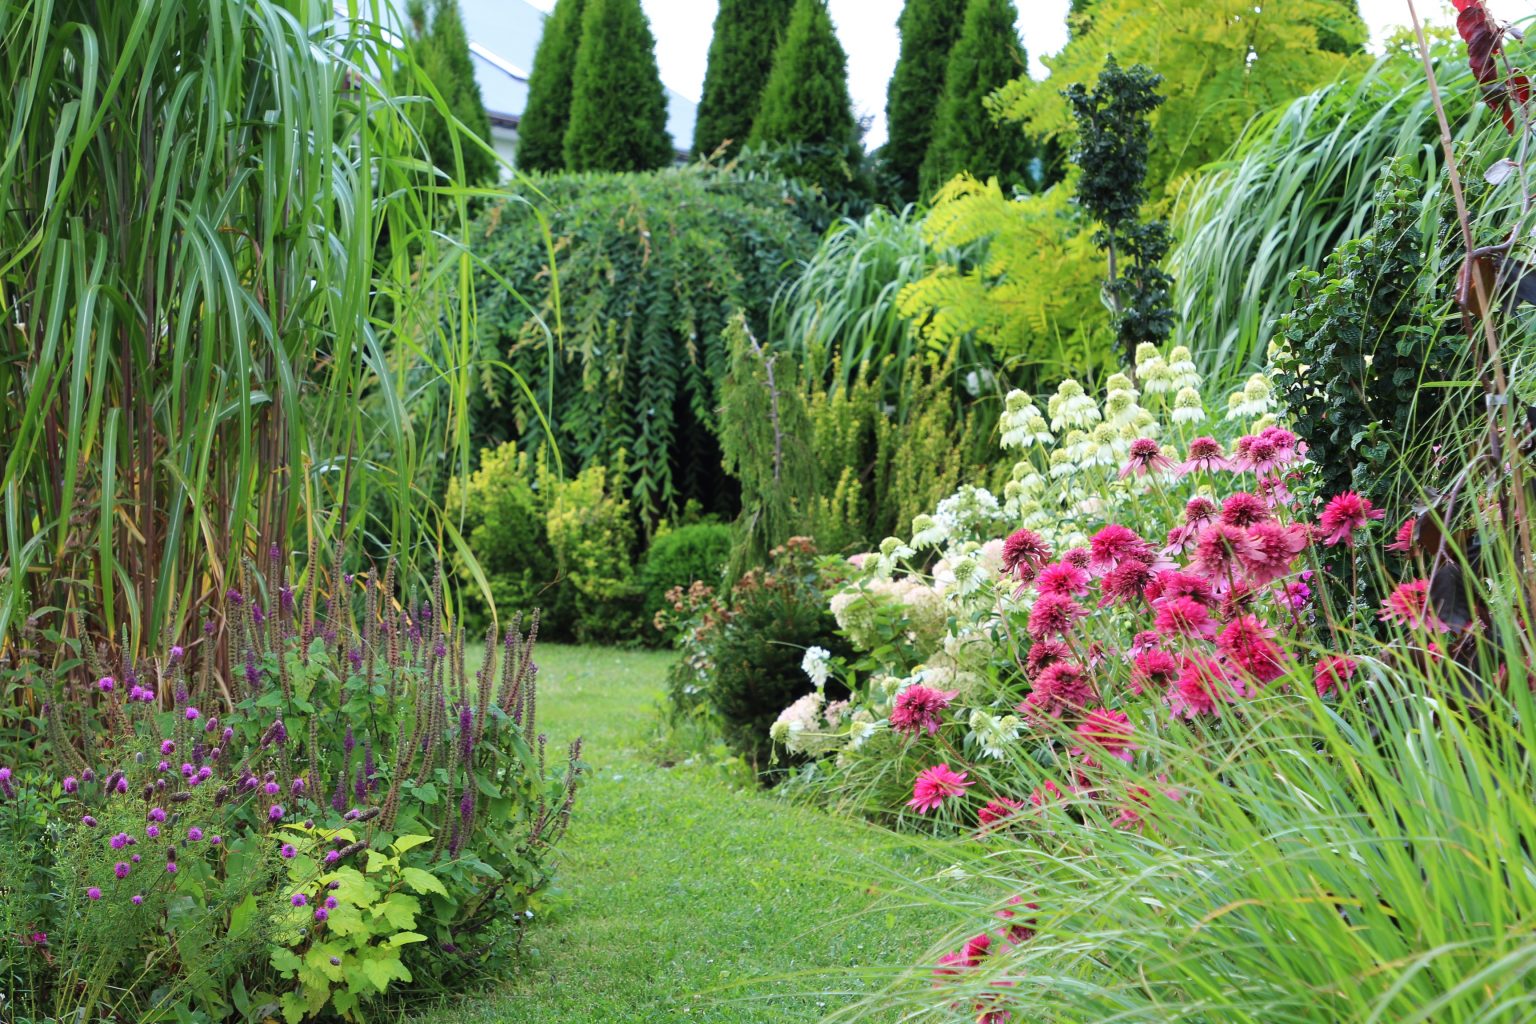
[817,665]
[1187,407]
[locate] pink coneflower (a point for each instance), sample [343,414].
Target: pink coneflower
[1248,644]
[1199,510]
[1153,670]
[1079,557]
[935,785]
[1113,545]
[1045,793]
[1054,615]
[1043,654]
[1020,929]
[1146,640]
[1333,673]
[1205,455]
[977,948]
[1062,578]
[1183,616]
[1409,605]
[1271,550]
[1024,549]
[1171,583]
[1402,543]
[1343,515]
[1202,687]
[998,810]
[1221,549]
[949,965]
[1244,509]
[1262,456]
[1109,730]
[918,708]
[1145,456]
[1063,686]
[1125,582]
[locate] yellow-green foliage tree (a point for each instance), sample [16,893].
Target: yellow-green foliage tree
[1222,62]
[1022,275]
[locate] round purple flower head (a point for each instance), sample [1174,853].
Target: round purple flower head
[167,747]
[288,852]
[119,841]
[135,858]
[233,597]
[120,869]
[93,892]
[122,784]
[275,812]
[87,821]
[5,784]
[170,867]
[106,684]
[137,900]
[335,961]
[153,831]
[299,900]
[71,784]
[193,714]
[216,840]
[330,903]
[321,914]
[272,789]
[332,856]
[157,814]
[194,834]
[88,776]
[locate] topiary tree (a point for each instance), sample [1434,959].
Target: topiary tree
[805,104]
[928,33]
[442,49]
[747,32]
[987,56]
[1113,132]
[618,104]
[541,132]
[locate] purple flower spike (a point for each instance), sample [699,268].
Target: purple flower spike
[5,784]
[176,653]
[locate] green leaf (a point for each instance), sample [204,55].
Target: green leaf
[409,842]
[241,916]
[403,938]
[400,909]
[381,970]
[426,793]
[422,881]
[285,961]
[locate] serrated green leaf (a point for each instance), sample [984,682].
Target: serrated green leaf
[422,881]
[410,842]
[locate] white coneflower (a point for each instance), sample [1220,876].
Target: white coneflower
[1018,410]
[1187,407]
[1071,407]
[1062,463]
[927,532]
[993,734]
[1181,368]
[1255,399]
[895,548]
[1120,407]
[1109,448]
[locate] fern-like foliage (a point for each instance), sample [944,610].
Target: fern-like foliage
[1020,274]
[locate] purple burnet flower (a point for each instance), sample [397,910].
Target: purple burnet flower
[275,812]
[216,840]
[121,869]
[5,784]
[164,766]
[287,852]
[137,900]
[228,735]
[298,899]
[106,684]
[176,653]
[298,785]
[187,770]
[257,615]
[170,867]
[88,776]
[136,858]
[321,914]
[71,784]
[193,714]
[332,856]
[122,784]
[205,773]
[194,834]
[153,831]
[157,814]
[93,892]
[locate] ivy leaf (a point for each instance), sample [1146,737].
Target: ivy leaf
[422,881]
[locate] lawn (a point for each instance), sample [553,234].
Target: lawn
[689,899]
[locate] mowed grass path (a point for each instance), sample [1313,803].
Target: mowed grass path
[691,900]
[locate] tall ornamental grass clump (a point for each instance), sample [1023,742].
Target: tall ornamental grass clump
[349,819]
[222,254]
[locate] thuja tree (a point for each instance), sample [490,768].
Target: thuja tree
[929,29]
[541,132]
[1113,133]
[987,56]
[442,50]
[747,32]
[618,104]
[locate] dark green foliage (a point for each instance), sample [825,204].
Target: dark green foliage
[987,56]
[651,267]
[805,103]
[767,445]
[747,32]
[678,557]
[1113,132]
[541,132]
[929,29]
[1344,30]
[442,50]
[1358,345]
[618,104]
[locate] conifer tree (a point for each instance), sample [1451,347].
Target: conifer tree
[442,50]
[805,104]
[966,137]
[541,132]
[740,57]
[618,104]
[929,29]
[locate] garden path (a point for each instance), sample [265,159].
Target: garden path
[688,899]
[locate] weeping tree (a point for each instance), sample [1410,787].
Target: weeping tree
[220,268]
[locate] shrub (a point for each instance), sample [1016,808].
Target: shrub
[592,534]
[628,354]
[678,557]
[346,811]
[501,515]
[744,652]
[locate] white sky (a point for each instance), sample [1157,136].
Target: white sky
[867,29]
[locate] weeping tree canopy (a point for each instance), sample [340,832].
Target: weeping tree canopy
[627,357]
[220,257]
